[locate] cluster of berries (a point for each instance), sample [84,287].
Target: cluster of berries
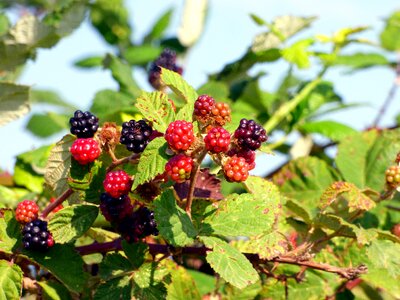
[84,125]
[133,222]
[393,176]
[167,60]
[236,153]
[35,235]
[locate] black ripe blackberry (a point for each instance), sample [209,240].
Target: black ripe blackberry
[84,124]
[167,60]
[35,236]
[138,225]
[115,209]
[249,135]
[135,135]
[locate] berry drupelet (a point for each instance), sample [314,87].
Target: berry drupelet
[138,225]
[135,135]
[179,167]
[117,183]
[35,236]
[250,135]
[167,60]
[115,209]
[179,135]
[85,151]
[393,176]
[220,114]
[84,124]
[26,211]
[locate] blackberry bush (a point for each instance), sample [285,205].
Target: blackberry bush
[135,135]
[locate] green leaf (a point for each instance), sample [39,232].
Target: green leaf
[135,252]
[54,291]
[49,97]
[305,179]
[10,280]
[117,288]
[159,27]
[204,282]
[149,281]
[110,105]
[290,25]
[111,19]
[341,37]
[114,265]
[72,222]
[352,156]
[385,255]
[267,246]
[331,129]
[64,263]
[30,167]
[10,232]
[101,235]
[122,73]
[58,164]
[360,60]
[182,286]
[152,162]
[172,221]
[390,33]
[354,198]
[229,263]
[298,53]
[89,62]
[179,86]
[4,24]
[247,293]
[9,197]
[229,217]
[141,55]
[14,102]
[54,124]
[216,89]
[156,108]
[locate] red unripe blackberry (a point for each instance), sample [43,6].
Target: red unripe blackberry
[135,135]
[179,135]
[203,107]
[85,151]
[35,236]
[26,211]
[179,167]
[84,124]
[138,225]
[396,230]
[250,135]
[221,114]
[217,140]
[236,169]
[393,176]
[115,209]
[167,60]
[117,183]
[248,155]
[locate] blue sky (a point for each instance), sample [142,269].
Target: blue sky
[228,32]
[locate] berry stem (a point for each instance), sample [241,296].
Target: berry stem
[348,273]
[132,158]
[51,206]
[193,178]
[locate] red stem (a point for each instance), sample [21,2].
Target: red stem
[49,208]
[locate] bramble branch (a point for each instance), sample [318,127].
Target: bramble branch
[154,249]
[49,208]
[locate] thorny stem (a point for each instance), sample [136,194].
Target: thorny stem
[348,273]
[193,179]
[133,158]
[390,96]
[49,208]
